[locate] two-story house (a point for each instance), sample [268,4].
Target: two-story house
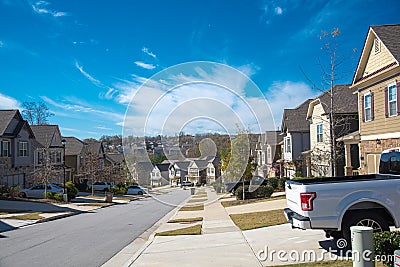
[340,104]
[295,131]
[16,149]
[268,151]
[377,80]
[178,172]
[160,174]
[74,157]
[48,158]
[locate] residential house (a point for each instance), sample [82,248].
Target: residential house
[16,153]
[295,132]
[93,161]
[268,151]
[74,158]
[202,171]
[141,172]
[160,174]
[115,162]
[178,172]
[324,134]
[377,81]
[48,158]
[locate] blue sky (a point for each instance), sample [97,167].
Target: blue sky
[87,58]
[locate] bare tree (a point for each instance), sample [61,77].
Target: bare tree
[36,113]
[45,170]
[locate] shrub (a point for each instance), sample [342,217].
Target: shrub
[72,191]
[273,181]
[10,191]
[217,187]
[281,183]
[298,174]
[49,195]
[262,191]
[385,244]
[119,190]
[58,197]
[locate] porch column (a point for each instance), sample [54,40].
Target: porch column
[347,153]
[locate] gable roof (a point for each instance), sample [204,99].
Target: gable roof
[389,36]
[273,137]
[95,147]
[344,101]
[294,120]
[73,146]
[183,165]
[115,157]
[6,117]
[45,133]
[162,167]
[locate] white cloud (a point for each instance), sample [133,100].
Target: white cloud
[147,52]
[87,75]
[103,128]
[40,7]
[1,44]
[202,97]
[145,65]
[7,102]
[278,10]
[287,94]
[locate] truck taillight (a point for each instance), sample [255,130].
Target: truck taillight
[306,200]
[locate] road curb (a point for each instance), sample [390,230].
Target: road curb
[61,216]
[142,242]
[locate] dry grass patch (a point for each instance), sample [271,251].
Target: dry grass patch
[30,216]
[192,208]
[92,197]
[192,230]
[249,201]
[10,211]
[100,204]
[126,198]
[186,220]
[194,200]
[253,220]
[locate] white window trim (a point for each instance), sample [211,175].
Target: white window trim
[395,99]
[23,146]
[320,133]
[286,144]
[365,107]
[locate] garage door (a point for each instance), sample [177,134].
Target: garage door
[373,163]
[13,180]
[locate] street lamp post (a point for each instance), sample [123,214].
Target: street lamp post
[63,144]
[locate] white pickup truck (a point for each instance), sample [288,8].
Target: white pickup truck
[334,204]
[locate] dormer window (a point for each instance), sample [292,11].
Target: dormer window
[377,46]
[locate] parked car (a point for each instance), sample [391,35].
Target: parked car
[37,191]
[334,204]
[135,190]
[101,186]
[187,183]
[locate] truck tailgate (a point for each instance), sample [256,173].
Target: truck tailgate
[293,191]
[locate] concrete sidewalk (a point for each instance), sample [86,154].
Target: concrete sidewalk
[221,243]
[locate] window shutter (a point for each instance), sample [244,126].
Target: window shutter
[372,106]
[386,103]
[398,97]
[9,149]
[362,108]
[1,149]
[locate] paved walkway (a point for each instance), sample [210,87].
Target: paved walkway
[258,206]
[221,243]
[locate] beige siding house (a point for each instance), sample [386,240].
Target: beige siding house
[377,80]
[345,121]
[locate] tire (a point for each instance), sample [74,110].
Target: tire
[371,219]
[22,194]
[140,193]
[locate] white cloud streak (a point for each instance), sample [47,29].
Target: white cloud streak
[7,102]
[87,75]
[145,65]
[278,10]
[147,52]
[40,8]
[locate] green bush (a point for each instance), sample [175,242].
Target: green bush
[281,183]
[119,190]
[298,174]
[385,244]
[273,181]
[263,191]
[58,197]
[72,190]
[49,195]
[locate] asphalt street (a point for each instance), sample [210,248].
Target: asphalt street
[88,239]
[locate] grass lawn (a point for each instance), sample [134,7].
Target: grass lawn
[339,263]
[192,208]
[186,220]
[8,211]
[30,216]
[126,198]
[192,230]
[249,201]
[253,220]
[93,197]
[193,200]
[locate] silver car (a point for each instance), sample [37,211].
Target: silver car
[37,191]
[136,190]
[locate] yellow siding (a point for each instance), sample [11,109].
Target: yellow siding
[380,124]
[377,61]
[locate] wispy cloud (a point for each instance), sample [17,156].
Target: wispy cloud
[145,65]
[87,75]
[1,44]
[41,8]
[147,52]
[287,94]
[278,10]
[273,8]
[7,102]
[103,128]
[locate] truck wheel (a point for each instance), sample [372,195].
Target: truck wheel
[374,220]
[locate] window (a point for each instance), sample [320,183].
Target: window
[367,107]
[269,156]
[263,158]
[320,135]
[23,149]
[288,145]
[392,100]
[377,46]
[5,151]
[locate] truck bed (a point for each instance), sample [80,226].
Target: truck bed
[340,179]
